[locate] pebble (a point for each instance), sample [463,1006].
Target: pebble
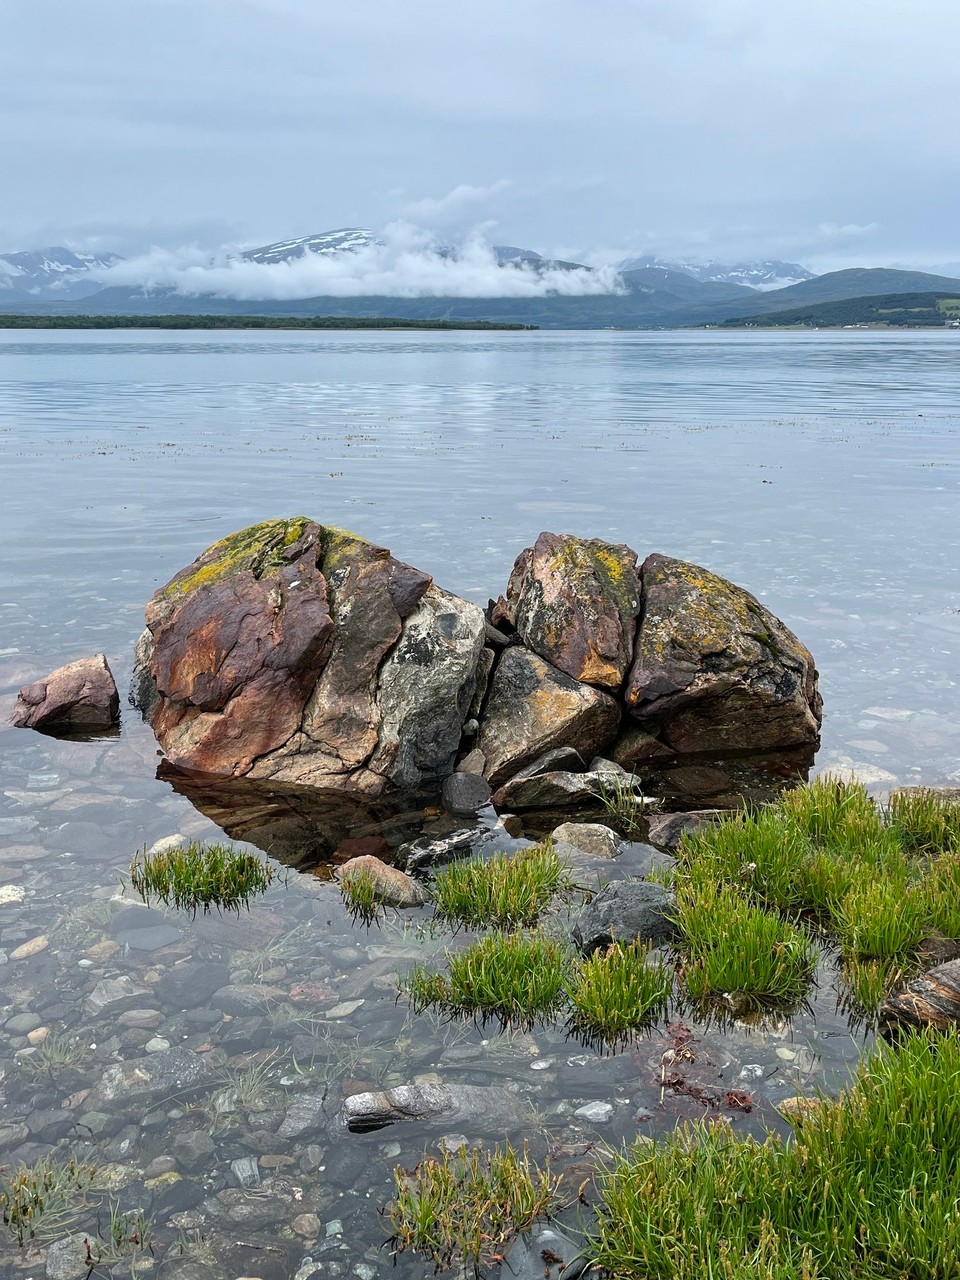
[306,1225]
[31,948]
[22,1023]
[10,893]
[246,1170]
[38,1035]
[752,1071]
[541,1064]
[595,1112]
[345,1009]
[333,1228]
[157,1045]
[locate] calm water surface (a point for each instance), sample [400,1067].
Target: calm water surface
[820,470]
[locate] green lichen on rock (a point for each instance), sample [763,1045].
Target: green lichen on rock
[258,549]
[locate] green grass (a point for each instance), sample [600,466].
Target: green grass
[514,978]
[465,1206]
[362,896]
[736,950]
[924,820]
[503,892]
[866,983]
[881,919]
[617,991]
[624,802]
[868,1188]
[196,876]
[943,893]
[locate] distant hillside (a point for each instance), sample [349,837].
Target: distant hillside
[929,310]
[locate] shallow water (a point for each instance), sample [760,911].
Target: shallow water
[819,470]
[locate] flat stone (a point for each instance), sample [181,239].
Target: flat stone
[192,983]
[22,1023]
[111,996]
[665,829]
[305,1114]
[145,1019]
[588,837]
[251,1209]
[154,939]
[244,998]
[550,791]
[151,1077]
[595,1112]
[191,1150]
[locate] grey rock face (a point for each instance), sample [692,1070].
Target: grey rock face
[625,911]
[465,793]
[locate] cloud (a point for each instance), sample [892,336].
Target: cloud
[834,231]
[408,263]
[432,210]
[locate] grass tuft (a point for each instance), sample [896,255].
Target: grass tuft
[44,1200]
[502,892]
[362,896]
[513,977]
[196,876]
[924,820]
[882,918]
[465,1206]
[617,991]
[623,802]
[866,1189]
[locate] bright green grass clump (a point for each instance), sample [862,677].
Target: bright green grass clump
[868,1188]
[735,948]
[362,896]
[515,978]
[617,991]
[466,1205]
[924,820]
[502,892]
[195,876]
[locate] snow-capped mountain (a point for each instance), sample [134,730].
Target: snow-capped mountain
[342,240]
[771,274]
[53,273]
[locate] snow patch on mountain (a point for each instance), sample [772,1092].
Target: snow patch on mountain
[768,274]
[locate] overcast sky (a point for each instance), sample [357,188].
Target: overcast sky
[820,131]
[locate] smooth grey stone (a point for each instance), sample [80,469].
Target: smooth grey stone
[465,793]
[588,837]
[525,1257]
[362,1112]
[21,1023]
[111,996]
[192,983]
[665,829]
[625,911]
[151,1077]
[595,1112]
[251,1209]
[129,918]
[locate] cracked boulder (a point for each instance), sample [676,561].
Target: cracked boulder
[299,653]
[574,601]
[713,670]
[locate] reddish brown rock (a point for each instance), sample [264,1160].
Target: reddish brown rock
[394,886]
[533,708]
[294,652]
[574,602]
[714,670]
[80,697]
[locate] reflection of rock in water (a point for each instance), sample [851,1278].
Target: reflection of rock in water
[731,782]
[302,827]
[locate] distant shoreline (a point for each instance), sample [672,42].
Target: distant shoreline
[174,322]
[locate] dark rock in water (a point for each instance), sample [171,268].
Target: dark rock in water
[532,707]
[150,1078]
[433,853]
[305,1115]
[191,1150]
[80,697]
[129,918]
[549,791]
[300,653]
[931,1000]
[560,759]
[625,911]
[154,939]
[574,602]
[665,829]
[635,746]
[192,983]
[496,1107]
[112,996]
[544,1253]
[394,886]
[716,671]
[465,793]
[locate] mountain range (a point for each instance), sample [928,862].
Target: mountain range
[652,293]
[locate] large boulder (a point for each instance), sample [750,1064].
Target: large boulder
[574,601]
[80,697]
[532,707]
[297,652]
[714,670]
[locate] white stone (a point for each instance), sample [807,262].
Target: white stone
[595,1112]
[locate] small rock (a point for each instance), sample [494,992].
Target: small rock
[190,1150]
[473,762]
[625,911]
[21,1023]
[588,837]
[595,1112]
[306,1225]
[246,1170]
[157,1044]
[798,1109]
[192,983]
[395,887]
[465,793]
[67,1259]
[112,996]
[31,948]
[665,829]
[9,894]
[38,1035]
[304,1115]
[80,697]
[494,1105]
[251,1209]
[344,1009]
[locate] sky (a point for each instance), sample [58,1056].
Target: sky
[823,131]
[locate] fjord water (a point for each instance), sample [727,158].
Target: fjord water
[820,470]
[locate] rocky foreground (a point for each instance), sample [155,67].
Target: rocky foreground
[301,654]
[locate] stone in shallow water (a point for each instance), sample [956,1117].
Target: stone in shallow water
[80,697]
[625,911]
[67,1259]
[492,1105]
[111,996]
[394,886]
[464,792]
[665,829]
[304,1115]
[588,837]
[192,983]
[153,939]
[151,1077]
[595,1112]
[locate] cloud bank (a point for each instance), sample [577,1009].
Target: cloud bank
[409,263]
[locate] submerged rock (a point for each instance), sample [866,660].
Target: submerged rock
[496,1107]
[80,697]
[665,829]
